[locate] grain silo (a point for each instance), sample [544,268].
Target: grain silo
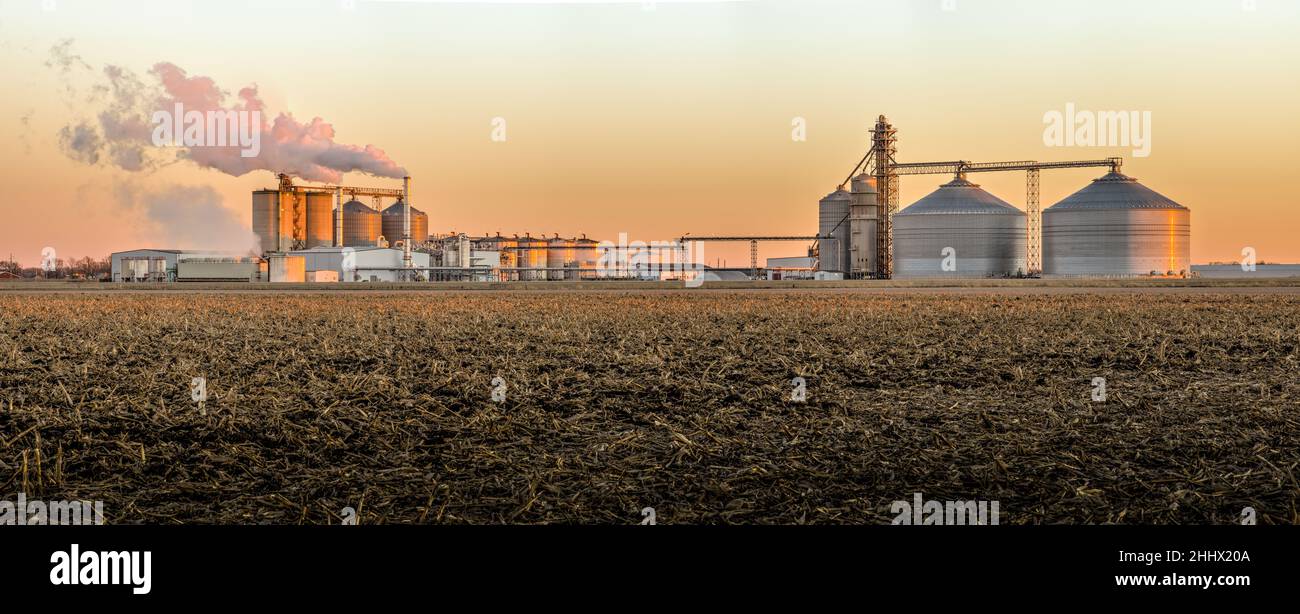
[320,219]
[832,215]
[360,225]
[959,230]
[862,226]
[266,220]
[1116,226]
[391,224]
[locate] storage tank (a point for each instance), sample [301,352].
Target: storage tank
[560,253]
[456,251]
[586,257]
[532,255]
[862,226]
[391,224]
[1116,226]
[360,225]
[320,219]
[510,257]
[832,215]
[985,233]
[266,219]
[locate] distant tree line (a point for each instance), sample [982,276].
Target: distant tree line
[76,268]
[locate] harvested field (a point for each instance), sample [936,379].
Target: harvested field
[678,401]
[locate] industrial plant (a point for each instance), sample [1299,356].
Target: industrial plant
[1114,227]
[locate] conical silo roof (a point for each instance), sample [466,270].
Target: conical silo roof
[396,209]
[356,206]
[960,196]
[839,194]
[1115,191]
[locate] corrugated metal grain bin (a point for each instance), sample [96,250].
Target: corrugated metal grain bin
[1116,227]
[832,221]
[959,230]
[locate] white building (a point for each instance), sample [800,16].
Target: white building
[791,267]
[145,265]
[157,265]
[361,263]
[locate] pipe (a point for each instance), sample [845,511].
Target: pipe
[338,217]
[406,224]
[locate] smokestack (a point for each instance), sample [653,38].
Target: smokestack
[406,226]
[338,217]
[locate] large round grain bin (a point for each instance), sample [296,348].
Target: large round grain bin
[360,225]
[832,221]
[959,230]
[391,224]
[1116,227]
[320,219]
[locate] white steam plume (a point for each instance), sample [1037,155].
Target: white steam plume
[121,133]
[182,217]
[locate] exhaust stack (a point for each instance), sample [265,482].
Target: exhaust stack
[338,217]
[406,227]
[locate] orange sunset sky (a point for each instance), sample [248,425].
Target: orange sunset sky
[664,119]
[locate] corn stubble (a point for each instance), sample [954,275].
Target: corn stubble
[678,401]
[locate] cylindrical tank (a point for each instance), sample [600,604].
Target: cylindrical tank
[158,268]
[360,225]
[862,226]
[455,250]
[320,219]
[532,255]
[266,219]
[1116,226]
[560,253]
[832,221]
[586,257]
[959,230]
[391,224]
[510,257]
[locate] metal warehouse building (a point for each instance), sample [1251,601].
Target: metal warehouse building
[164,265]
[360,263]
